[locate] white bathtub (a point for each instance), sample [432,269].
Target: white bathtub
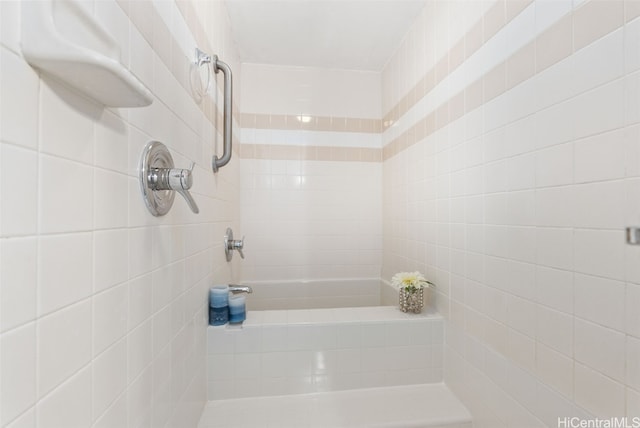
[335,293]
[280,352]
[310,359]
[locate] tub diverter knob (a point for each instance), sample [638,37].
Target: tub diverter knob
[231,244]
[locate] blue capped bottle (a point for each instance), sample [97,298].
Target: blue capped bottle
[219,305]
[237,309]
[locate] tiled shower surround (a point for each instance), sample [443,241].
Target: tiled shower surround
[102,306]
[511,164]
[511,168]
[498,152]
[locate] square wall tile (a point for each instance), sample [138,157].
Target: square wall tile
[140,307]
[26,420]
[600,157]
[139,351]
[555,329]
[633,403]
[555,369]
[554,288]
[18,281]
[608,54]
[598,394]
[68,405]
[111,250]
[64,346]
[64,270]
[18,371]
[10,16]
[19,178]
[600,348]
[21,85]
[599,110]
[633,362]
[599,252]
[68,122]
[107,379]
[110,310]
[140,261]
[554,166]
[600,300]
[112,142]
[632,299]
[632,43]
[115,415]
[111,199]
[555,248]
[596,205]
[64,204]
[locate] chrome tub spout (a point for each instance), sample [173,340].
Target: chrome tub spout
[235,289]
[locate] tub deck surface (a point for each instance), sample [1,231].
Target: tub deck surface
[411,406]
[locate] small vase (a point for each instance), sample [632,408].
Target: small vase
[411,301]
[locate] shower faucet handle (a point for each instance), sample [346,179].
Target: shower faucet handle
[181,181]
[177,179]
[238,245]
[240,248]
[159,179]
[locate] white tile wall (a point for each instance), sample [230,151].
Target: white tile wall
[531,264]
[99,300]
[311,219]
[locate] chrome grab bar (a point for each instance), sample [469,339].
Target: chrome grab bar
[218,65]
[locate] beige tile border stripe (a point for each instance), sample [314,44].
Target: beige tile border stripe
[309,153]
[577,29]
[501,13]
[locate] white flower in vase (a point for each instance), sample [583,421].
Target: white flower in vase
[410,286]
[410,281]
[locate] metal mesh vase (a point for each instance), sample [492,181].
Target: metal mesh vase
[411,301]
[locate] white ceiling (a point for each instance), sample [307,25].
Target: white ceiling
[347,34]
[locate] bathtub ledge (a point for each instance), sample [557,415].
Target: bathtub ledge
[333,316]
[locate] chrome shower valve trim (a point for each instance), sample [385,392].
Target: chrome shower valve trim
[159,179]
